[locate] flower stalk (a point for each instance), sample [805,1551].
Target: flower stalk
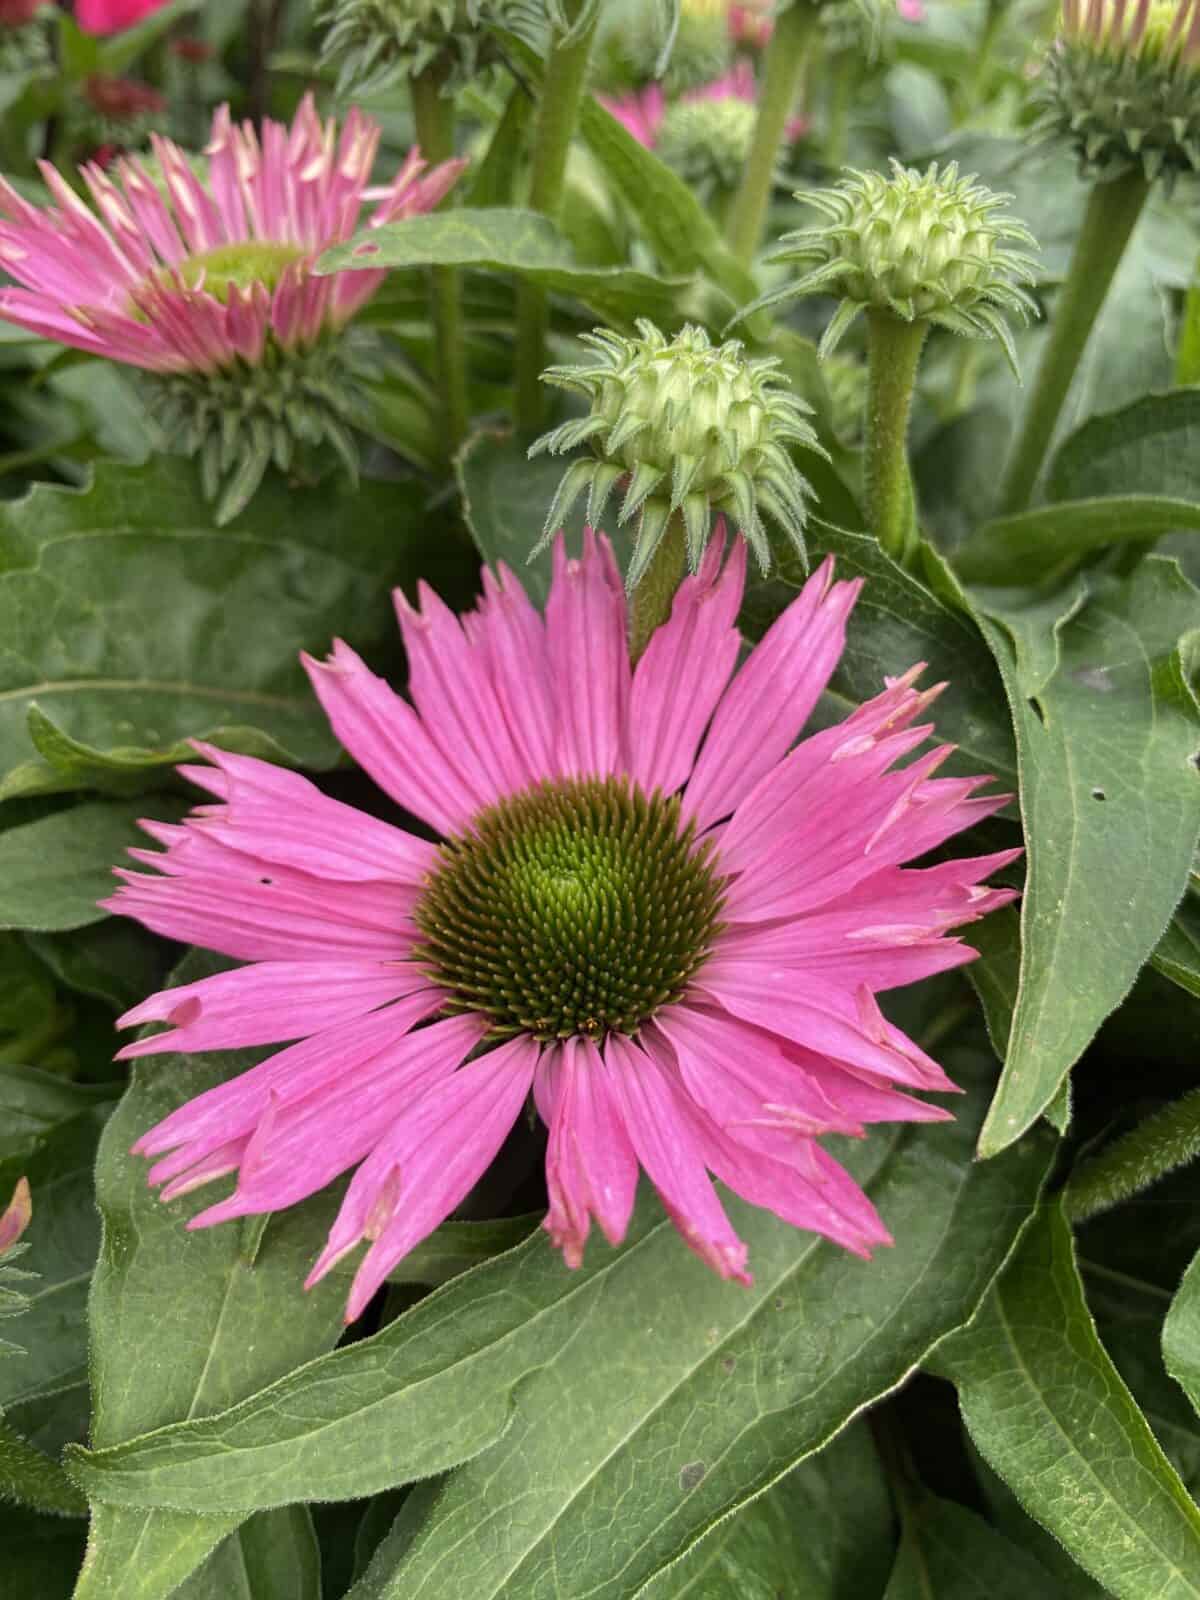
[894,350]
[558,114]
[786,56]
[650,602]
[1168,1139]
[1112,214]
[433,115]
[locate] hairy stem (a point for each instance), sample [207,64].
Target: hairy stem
[1168,1139]
[894,349]
[558,114]
[1111,216]
[786,55]
[433,114]
[650,602]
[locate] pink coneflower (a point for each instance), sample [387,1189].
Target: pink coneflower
[210,283]
[646,906]
[911,10]
[644,113]
[113,16]
[640,114]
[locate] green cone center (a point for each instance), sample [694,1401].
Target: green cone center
[243,265]
[577,907]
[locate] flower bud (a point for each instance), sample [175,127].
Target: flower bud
[375,42]
[688,429]
[701,50]
[924,246]
[13,1222]
[1122,86]
[706,140]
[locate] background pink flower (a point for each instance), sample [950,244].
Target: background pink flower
[111,16]
[648,908]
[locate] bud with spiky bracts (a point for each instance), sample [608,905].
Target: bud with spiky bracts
[701,49]
[13,1222]
[691,430]
[374,42]
[931,247]
[706,140]
[1122,86]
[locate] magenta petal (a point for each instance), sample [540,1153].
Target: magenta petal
[591,1168]
[772,697]
[662,1132]
[588,658]
[436,1152]
[267,1003]
[683,672]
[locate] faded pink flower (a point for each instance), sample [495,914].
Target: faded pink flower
[113,16]
[205,278]
[642,114]
[648,908]
[16,1217]
[911,10]
[750,25]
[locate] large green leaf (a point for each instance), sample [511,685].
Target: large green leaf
[1177,955]
[1151,447]
[272,1556]
[899,621]
[1181,1335]
[1111,807]
[949,1553]
[1049,1412]
[642,1367]
[129,623]
[502,239]
[53,872]
[208,1325]
[33,1103]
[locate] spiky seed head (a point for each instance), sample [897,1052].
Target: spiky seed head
[928,246]
[375,42]
[1121,87]
[683,427]
[13,1222]
[707,141]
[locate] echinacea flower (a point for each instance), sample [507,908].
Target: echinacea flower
[208,283]
[647,116]
[646,906]
[113,16]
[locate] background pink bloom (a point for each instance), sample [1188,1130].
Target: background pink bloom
[130,283]
[111,16]
[772,1038]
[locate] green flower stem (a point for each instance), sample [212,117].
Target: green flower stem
[972,91]
[893,351]
[1168,1139]
[650,602]
[558,114]
[1187,359]
[1112,214]
[841,100]
[433,114]
[787,52]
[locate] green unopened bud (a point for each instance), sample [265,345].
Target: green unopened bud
[929,247]
[375,42]
[1122,86]
[701,50]
[707,141]
[688,429]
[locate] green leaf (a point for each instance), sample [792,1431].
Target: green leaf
[1048,1411]
[1151,447]
[996,973]
[640,1367]
[207,1327]
[897,622]
[273,1556]
[1111,807]
[1052,539]
[503,239]
[1177,955]
[822,1532]
[1181,1335]
[949,1553]
[130,623]
[505,498]
[54,871]
[32,1479]
[457,1246]
[33,1104]
[63,1238]
[115,961]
